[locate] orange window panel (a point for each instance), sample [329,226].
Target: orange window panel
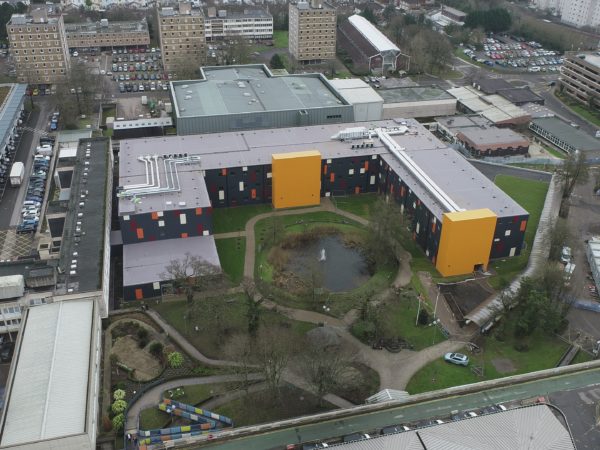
[357,190]
[366,165]
[140,233]
[154,216]
[332,177]
[198,211]
[184,235]
[253,193]
[223,172]
[402,192]
[433,227]
[138,294]
[325,169]
[523,225]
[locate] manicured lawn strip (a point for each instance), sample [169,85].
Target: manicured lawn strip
[356,204]
[226,220]
[231,254]
[232,320]
[582,357]
[260,407]
[554,152]
[592,116]
[544,352]
[530,194]
[280,39]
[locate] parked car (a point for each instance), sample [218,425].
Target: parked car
[457,358]
[566,254]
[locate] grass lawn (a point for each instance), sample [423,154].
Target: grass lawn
[153,418]
[229,316]
[544,352]
[226,220]
[83,123]
[530,195]
[582,357]
[556,153]
[591,115]
[280,39]
[401,316]
[260,407]
[231,254]
[356,204]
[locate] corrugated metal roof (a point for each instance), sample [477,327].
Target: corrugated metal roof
[48,397]
[531,428]
[372,34]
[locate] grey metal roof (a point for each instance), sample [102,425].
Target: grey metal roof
[145,262]
[112,27]
[480,131]
[465,184]
[572,136]
[231,92]
[414,94]
[490,85]
[533,428]
[10,110]
[49,390]
[246,14]
[520,95]
[86,245]
[132,171]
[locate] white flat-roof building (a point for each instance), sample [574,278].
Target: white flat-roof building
[52,391]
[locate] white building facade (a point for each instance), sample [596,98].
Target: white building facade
[578,13]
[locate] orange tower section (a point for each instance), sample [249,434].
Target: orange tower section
[466,241]
[296,179]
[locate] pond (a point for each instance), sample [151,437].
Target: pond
[337,267]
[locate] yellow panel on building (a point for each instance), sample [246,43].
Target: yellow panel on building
[466,241]
[296,179]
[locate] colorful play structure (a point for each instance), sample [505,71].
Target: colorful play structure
[206,422]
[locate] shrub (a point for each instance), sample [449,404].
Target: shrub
[118,406]
[423,317]
[118,422]
[364,330]
[119,394]
[156,349]
[175,360]
[142,334]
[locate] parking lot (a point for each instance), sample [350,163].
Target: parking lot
[509,53]
[134,69]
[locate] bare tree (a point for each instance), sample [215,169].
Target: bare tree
[559,236]
[273,348]
[324,368]
[191,274]
[240,348]
[574,171]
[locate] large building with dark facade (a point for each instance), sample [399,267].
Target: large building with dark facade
[458,216]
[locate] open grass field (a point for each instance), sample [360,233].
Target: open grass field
[356,204]
[218,319]
[231,254]
[530,195]
[544,352]
[260,407]
[280,39]
[226,220]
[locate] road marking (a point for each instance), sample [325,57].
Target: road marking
[595,393]
[585,398]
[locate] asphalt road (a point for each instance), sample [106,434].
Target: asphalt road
[9,214]
[492,170]
[579,407]
[406,414]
